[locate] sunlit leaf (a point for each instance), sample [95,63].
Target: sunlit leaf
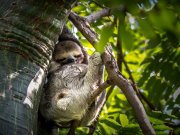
[121,97]
[124,120]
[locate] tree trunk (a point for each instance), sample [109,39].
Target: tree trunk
[28,31]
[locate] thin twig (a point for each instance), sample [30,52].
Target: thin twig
[74,125]
[99,14]
[120,60]
[96,92]
[93,126]
[140,95]
[119,50]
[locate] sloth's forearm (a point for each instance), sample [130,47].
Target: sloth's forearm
[95,69]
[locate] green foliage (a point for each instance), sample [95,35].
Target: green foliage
[124,120]
[149,34]
[105,34]
[110,126]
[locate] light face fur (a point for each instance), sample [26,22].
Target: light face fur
[66,52]
[68,91]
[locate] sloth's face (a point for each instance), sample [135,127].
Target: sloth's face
[68,52]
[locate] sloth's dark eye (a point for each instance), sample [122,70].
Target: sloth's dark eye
[77,56]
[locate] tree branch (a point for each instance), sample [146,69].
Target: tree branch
[83,26]
[116,76]
[92,128]
[97,15]
[119,50]
[74,125]
[128,91]
[96,92]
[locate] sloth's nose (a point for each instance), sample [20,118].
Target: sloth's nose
[70,60]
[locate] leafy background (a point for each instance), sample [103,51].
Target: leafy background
[149,34]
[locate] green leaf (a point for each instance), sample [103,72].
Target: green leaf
[126,37]
[162,127]
[106,128]
[111,123]
[124,120]
[131,129]
[105,34]
[146,27]
[161,116]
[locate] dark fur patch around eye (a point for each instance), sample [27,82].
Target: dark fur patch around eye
[77,56]
[60,60]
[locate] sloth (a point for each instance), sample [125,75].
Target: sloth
[66,52]
[67,94]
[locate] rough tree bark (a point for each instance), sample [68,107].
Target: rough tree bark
[28,31]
